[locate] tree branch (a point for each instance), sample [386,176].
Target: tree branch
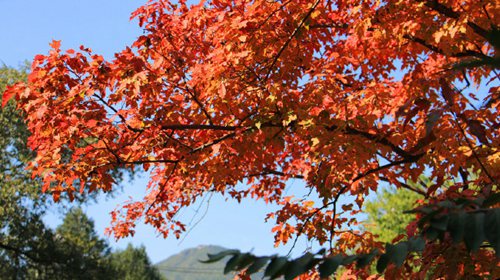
[377,139]
[24,253]
[435,49]
[406,186]
[199,127]
[290,38]
[448,12]
[274,172]
[116,112]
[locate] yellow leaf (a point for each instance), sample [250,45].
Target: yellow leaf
[438,35]
[315,14]
[315,141]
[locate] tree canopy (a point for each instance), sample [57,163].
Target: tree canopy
[239,97]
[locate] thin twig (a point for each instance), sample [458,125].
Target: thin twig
[290,38]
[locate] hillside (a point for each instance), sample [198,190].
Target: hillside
[186,266]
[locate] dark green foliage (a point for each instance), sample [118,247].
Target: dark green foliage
[330,265]
[83,255]
[277,266]
[28,248]
[473,227]
[451,217]
[23,235]
[134,264]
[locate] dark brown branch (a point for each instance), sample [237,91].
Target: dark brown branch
[377,139]
[330,25]
[21,252]
[448,12]
[178,141]
[143,161]
[272,14]
[122,118]
[464,176]
[306,221]
[214,142]
[406,186]
[435,49]
[471,147]
[115,155]
[380,168]
[162,187]
[213,127]
[334,213]
[198,102]
[199,127]
[274,172]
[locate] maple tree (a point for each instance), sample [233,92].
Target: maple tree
[239,97]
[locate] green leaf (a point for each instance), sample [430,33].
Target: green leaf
[479,201]
[399,253]
[432,233]
[321,251]
[365,259]
[257,265]
[245,260]
[382,263]
[231,263]
[299,266]
[446,204]
[427,217]
[474,231]
[219,256]
[237,262]
[440,223]
[276,267]
[349,259]
[416,244]
[492,200]
[492,229]
[462,201]
[329,266]
[456,226]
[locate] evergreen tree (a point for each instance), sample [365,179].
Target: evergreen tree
[28,248]
[23,236]
[84,254]
[134,264]
[385,213]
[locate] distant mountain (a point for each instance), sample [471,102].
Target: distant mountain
[186,266]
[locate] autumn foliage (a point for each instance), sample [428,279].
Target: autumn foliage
[239,97]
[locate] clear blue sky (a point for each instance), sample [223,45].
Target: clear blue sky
[27,28]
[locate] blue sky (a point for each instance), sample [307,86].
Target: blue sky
[28,26]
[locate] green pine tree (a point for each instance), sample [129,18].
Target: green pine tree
[28,248]
[386,217]
[134,264]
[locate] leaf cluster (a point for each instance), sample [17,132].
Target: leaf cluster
[278,266]
[28,248]
[447,218]
[454,219]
